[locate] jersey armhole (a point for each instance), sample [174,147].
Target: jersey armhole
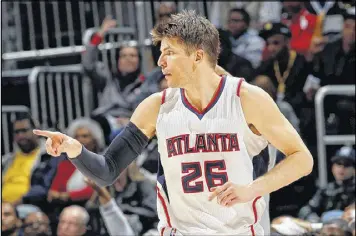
[245,124]
[239,86]
[163,97]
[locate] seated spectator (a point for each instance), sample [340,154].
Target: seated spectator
[37,224]
[236,65]
[335,227]
[301,24]
[115,220]
[19,168]
[10,221]
[338,194]
[136,198]
[287,69]
[73,221]
[335,63]
[329,14]
[117,88]
[245,41]
[260,12]
[68,184]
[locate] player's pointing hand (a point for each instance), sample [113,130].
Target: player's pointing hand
[230,194]
[58,143]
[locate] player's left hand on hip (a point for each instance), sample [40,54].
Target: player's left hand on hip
[230,194]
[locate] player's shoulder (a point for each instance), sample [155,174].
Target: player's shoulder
[159,98]
[252,92]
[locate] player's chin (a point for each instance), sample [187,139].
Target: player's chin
[171,83]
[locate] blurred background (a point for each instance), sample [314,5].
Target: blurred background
[83,67]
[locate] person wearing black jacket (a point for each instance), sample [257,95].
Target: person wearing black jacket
[287,69]
[338,194]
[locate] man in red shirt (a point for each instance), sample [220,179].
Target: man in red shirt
[301,24]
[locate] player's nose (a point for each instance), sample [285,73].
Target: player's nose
[161,61]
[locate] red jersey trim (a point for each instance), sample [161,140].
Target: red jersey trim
[239,87]
[254,210]
[164,207]
[163,96]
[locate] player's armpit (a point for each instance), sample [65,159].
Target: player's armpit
[262,112]
[146,113]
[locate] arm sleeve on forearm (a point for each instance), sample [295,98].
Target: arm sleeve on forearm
[104,169]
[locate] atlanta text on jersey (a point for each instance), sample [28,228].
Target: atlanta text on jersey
[211,142]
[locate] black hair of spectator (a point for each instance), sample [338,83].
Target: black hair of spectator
[225,47]
[19,116]
[243,12]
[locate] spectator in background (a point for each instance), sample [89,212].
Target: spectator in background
[29,172]
[17,167]
[301,24]
[73,221]
[245,41]
[115,220]
[329,17]
[37,224]
[287,69]
[120,87]
[68,184]
[135,196]
[260,12]
[338,194]
[236,65]
[10,221]
[335,63]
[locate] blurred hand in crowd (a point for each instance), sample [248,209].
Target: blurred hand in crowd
[107,24]
[103,193]
[317,45]
[54,195]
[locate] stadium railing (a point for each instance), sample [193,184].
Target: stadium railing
[322,139]
[7,120]
[59,94]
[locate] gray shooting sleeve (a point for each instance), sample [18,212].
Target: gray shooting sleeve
[105,169]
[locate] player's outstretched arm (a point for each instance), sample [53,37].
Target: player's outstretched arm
[105,169]
[261,111]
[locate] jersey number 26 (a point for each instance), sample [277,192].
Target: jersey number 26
[212,178]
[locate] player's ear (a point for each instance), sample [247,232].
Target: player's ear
[199,55]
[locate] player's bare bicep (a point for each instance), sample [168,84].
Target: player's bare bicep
[262,112]
[146,113]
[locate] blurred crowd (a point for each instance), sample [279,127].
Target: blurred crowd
[289,49]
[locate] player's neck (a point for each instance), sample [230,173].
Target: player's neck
[202,87]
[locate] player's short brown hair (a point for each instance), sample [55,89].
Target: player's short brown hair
[193,31]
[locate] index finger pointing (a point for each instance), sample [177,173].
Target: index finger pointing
[43,133]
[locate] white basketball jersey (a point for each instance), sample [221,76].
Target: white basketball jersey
[201,150]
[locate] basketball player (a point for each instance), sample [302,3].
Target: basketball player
[207,127]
